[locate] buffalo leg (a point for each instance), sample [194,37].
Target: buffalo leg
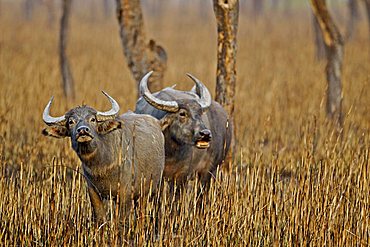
[97,205]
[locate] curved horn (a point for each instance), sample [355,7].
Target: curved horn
[112,113]
[168,106]
[202,91]
[49,120]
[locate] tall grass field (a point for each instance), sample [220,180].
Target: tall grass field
[294,180]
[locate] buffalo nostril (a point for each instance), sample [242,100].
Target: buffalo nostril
[83,129]
[205,133]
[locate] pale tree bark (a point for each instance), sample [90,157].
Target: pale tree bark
[142,56]
[319,42]
[227,15]
[367,5]
[67,78]
[334,46]
[353,18]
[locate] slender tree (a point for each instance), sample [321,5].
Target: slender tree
[287,7]
[319,42]
[67,78]
[227,15]
[367,5]
[142,56]
[334,53]
[107,8]
[275,4]
[203,10]
[354,15]
[258,7]
[50,6]
[28,6]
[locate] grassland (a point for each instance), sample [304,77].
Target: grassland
[293,181]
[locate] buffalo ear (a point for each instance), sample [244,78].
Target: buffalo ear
[165,122]
[108,126]
[56,131]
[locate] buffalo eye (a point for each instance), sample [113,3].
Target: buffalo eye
[93,119]
[71,121]
[182,114]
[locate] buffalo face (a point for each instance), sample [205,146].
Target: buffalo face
[186,125]
[183,121]
[86,131]
[84,125]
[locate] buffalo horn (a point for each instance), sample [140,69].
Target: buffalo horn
[112,113]
[49,120]
[168,106]
[205,98]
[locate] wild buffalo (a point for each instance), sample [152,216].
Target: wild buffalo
[196,129]
[117,152]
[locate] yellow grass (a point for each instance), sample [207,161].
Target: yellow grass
[293,182]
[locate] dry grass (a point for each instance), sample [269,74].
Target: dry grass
[293,181]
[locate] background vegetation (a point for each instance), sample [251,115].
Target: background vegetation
[293,182]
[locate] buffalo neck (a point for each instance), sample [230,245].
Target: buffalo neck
[175,150]
[105,154]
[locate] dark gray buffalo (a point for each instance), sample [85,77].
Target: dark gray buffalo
[196,129]
[118,153]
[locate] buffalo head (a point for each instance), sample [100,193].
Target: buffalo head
[183,121]
[83,124]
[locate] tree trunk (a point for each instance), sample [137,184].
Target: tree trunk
[50,6]
[93,13]
[141,56]
[28,6]
[319,42]
[203,10]
[367,5]
[107,8]
[353,18]
[275,5]
[227,14]
[257,7]
[68,84]
[334,52]
[155,8]
[288,7]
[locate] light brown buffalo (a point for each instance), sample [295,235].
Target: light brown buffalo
[117,152]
